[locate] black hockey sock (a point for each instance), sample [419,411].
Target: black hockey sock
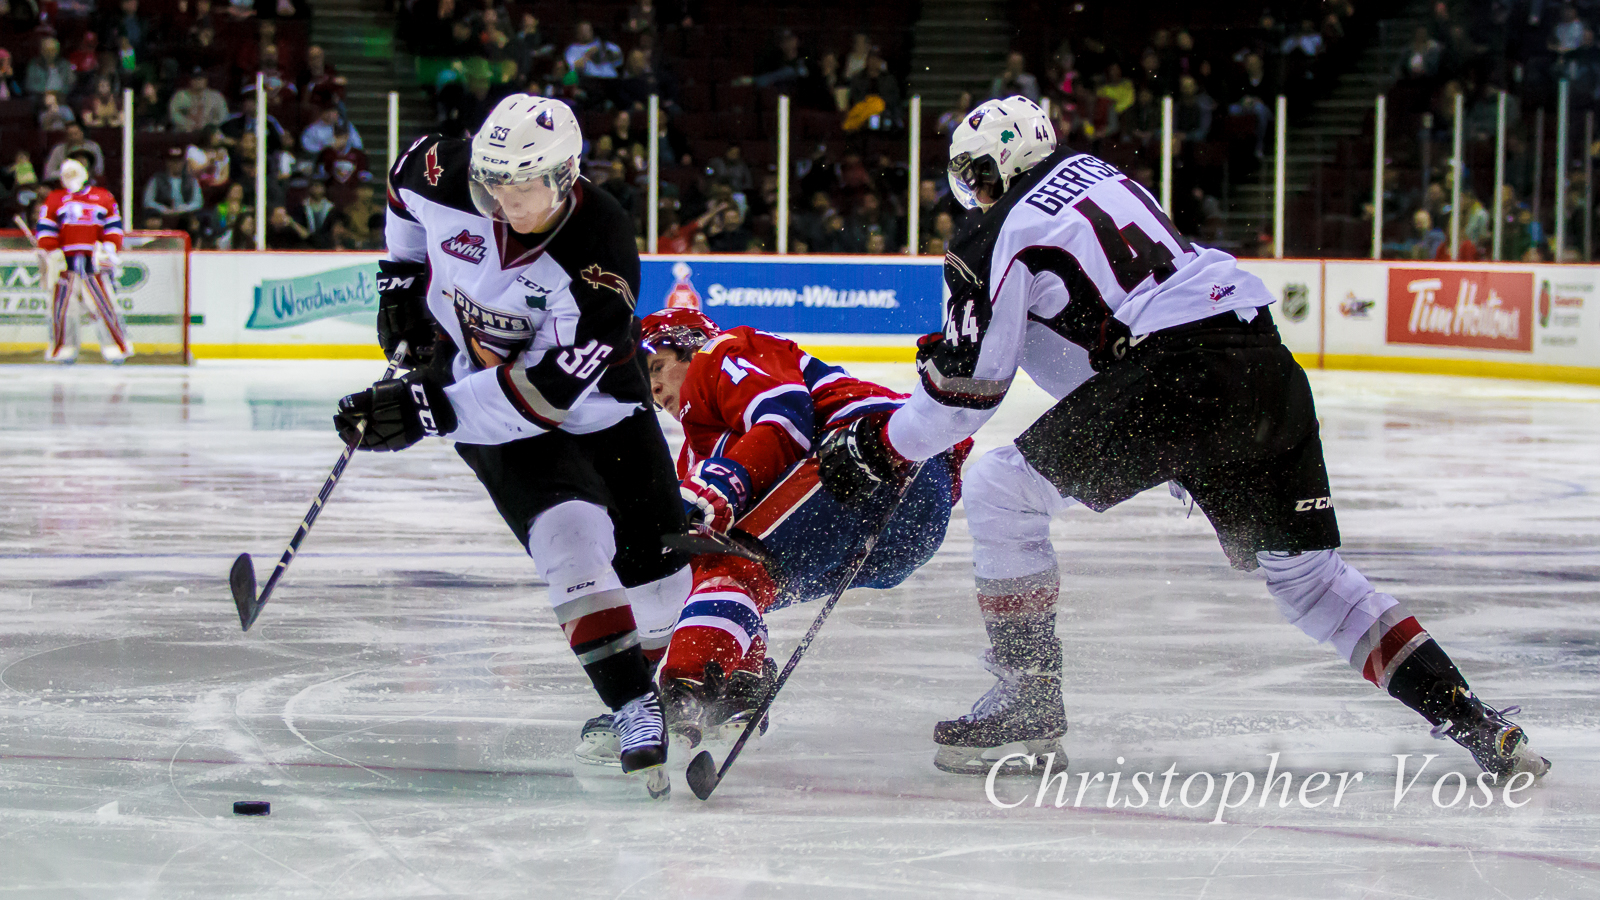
[1429,683]
[1020,616]
[1026,642]
[618,677]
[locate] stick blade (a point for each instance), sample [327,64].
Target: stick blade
[702,774]
[242,580]
[735,543]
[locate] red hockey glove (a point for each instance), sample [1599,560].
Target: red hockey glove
[716,493]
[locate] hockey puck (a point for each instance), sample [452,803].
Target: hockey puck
[252,808]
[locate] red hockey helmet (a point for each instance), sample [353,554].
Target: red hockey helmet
[677,328]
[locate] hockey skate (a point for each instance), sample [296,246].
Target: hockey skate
[599,744]
[642,742]
[1022,713]
[719,707]
[1498,744]
[111,354]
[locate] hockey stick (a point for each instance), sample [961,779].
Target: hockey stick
[242,579]
[703,775]
[23,224]
[703,540]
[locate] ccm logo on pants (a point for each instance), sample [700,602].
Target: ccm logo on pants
[1313,503]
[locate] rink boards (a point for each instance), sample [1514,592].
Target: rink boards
[150,290]
[1518,321]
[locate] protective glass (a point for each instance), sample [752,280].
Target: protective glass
[966,175]
[502,196]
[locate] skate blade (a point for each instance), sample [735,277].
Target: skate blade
[729,731]
[656,782]
[1530,762]
[602,778]
[598,753]
[979,760]
[684,736]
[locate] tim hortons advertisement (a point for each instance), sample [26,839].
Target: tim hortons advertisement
[1485,310]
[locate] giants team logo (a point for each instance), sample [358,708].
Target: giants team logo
[600,278]
[465,245]
[493,336]
[1482,309]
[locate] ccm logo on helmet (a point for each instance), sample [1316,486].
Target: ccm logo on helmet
[1313,503]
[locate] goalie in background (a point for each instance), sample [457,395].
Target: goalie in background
[80,234]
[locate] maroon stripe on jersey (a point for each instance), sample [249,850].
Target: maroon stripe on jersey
[1396,644]
[598,626]
[398,206]
[503,374]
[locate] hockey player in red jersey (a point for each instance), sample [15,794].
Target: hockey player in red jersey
[753,407]
[80,234]
[1072,264]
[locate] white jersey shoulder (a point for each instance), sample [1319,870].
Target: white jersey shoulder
[1148,274]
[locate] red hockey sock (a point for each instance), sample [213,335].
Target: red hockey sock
[720,622]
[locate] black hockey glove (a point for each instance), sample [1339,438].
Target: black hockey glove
[403,311]
[398,412]
[856,460]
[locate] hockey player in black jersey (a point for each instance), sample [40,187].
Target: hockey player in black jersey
[1167,367]
[513,284]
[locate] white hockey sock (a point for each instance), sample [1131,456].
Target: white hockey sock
[656,606]
[1009,506]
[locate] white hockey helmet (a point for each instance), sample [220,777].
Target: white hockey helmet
[73,176]
[996,142]
[525,140]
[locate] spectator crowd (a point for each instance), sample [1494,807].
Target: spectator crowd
[192,66]
[718,68]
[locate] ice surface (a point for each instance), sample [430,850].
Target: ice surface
[408,705]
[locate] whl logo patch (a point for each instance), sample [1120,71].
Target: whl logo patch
[467,246]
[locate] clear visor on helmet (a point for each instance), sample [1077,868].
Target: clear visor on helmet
[967,175]
[517,197]
[676,337]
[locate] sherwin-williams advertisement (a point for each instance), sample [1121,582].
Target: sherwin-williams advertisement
[871,295]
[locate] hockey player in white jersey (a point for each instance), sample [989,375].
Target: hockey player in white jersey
[1167,367]
[513,283]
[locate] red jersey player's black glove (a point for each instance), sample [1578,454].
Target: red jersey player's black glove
[857,459]
[398,412]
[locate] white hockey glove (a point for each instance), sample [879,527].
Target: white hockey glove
[107,260]
[52,264]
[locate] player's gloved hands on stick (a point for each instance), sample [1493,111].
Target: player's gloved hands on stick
[403,311]
[857,459]
[399,412]
[716,493]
